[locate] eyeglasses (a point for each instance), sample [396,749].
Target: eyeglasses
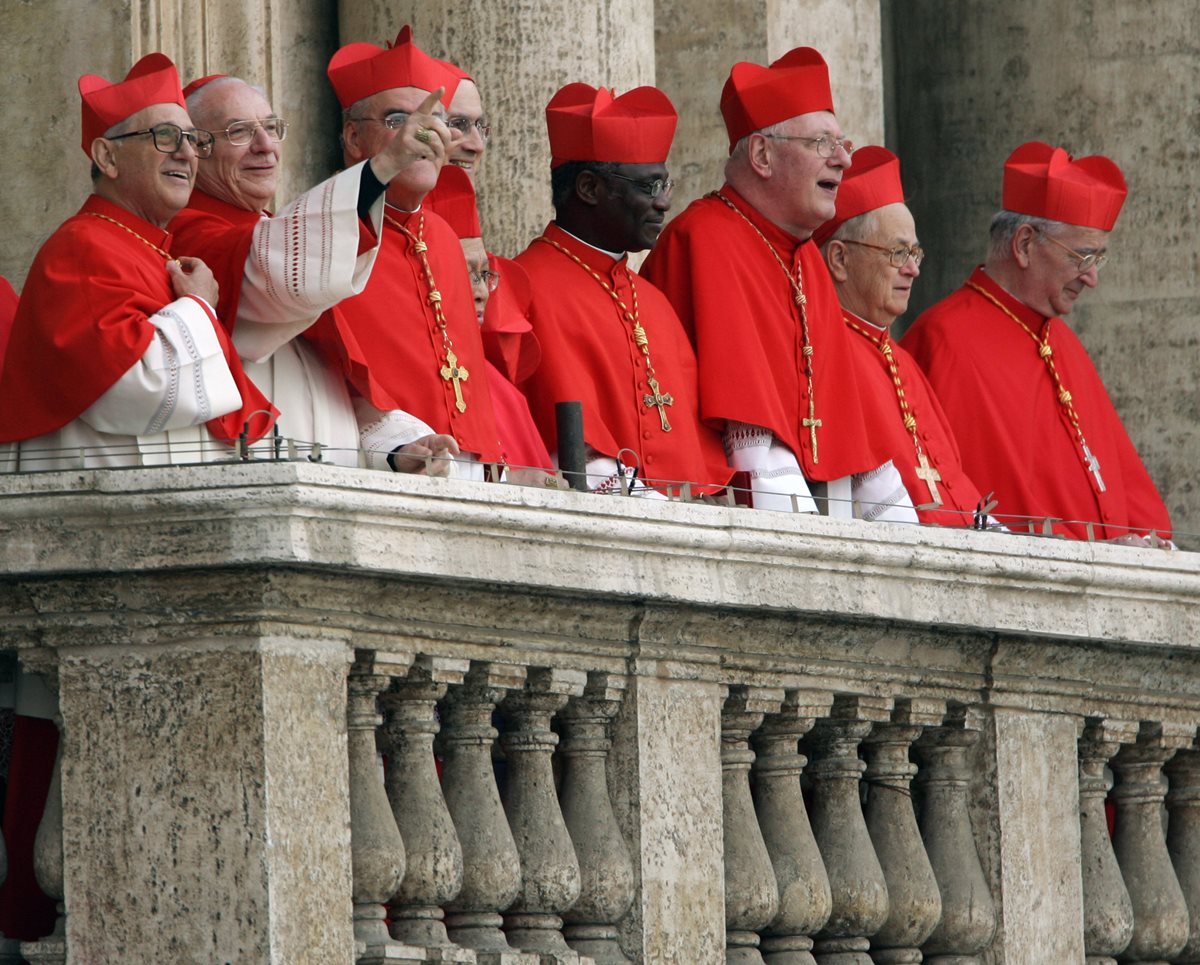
[464,124]
[489,278]
[826,145]
[1085,263]
[655,188]
[242,132]
[168,138]
[396,119]
[898,255]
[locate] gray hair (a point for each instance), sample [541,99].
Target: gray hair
[742,147]
[858,228]
[1005,225]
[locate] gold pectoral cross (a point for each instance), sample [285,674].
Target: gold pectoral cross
[812,424]
[453,372]
[659,400]
[931,476]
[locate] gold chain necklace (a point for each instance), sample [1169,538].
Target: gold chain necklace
[452,372]
[655,398]
[1090,462]
[883,341]
[796,281]
[147,242]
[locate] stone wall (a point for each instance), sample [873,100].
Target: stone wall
[973,80]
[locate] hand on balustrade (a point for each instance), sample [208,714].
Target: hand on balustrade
[431,455]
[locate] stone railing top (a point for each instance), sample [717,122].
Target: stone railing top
[297,514]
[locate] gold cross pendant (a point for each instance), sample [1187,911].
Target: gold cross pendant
[812,425]
[931,476]
[453,372]
[658,400]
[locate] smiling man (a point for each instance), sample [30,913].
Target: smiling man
[609,338]
[279,273]
[874,258]
[776,375]
[116,356]
[1031,415]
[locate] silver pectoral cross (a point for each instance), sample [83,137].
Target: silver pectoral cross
[1093,465]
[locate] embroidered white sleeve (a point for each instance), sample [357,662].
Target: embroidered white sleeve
[775,475]
[879,495]
[380,432]
[181,380]
[301,262]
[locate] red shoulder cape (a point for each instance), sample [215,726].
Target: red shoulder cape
[386,340]
[519,439]
[958,494]
[1015,438]
[590,356]
[83,320]
[508,337]
[738,309]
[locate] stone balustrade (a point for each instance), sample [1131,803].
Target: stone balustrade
[331,716]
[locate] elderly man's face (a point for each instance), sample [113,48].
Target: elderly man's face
[365,136]
[803,184]
[875,289]
[467,106]
[1051,280]
[245,175]
[153,185]
[477,265]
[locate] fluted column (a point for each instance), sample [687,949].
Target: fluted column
[751,895]
[433,873]
[376,848]
[48,846]
[857,885]
[968,921]
[803,886]
[1183,841]
[491,865]
[1107,910]
[914,903]
[550,880]
[1160,914]
[606,871]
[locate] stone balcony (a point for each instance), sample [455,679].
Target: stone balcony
[668,732]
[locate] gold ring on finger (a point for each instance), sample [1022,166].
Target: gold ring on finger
[424,135]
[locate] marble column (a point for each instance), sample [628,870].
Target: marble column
[550,878]
[433,873]
[376,848]
[803,885]
[1160,914]
[856,881]
[968,921]
[1183,841]
[1107,910]
[491,864]
[751,894]
[914,903]
[606,871]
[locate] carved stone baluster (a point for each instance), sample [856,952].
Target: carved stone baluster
[1183,841]
[606,872]
[914,903]
[804,899]
[434,869]
[550,879]
[1107,910]
[751,894]
[856,882]
[968,922]
[376,849]
[491,865]
[1160,914]
[48,844]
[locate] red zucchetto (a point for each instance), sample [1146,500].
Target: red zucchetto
[453,199]
[152,80]
[755,97]
[586,123]
[360,70]
[200,82]
[872,182]
[1044,182]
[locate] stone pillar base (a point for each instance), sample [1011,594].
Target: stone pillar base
[48,951]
